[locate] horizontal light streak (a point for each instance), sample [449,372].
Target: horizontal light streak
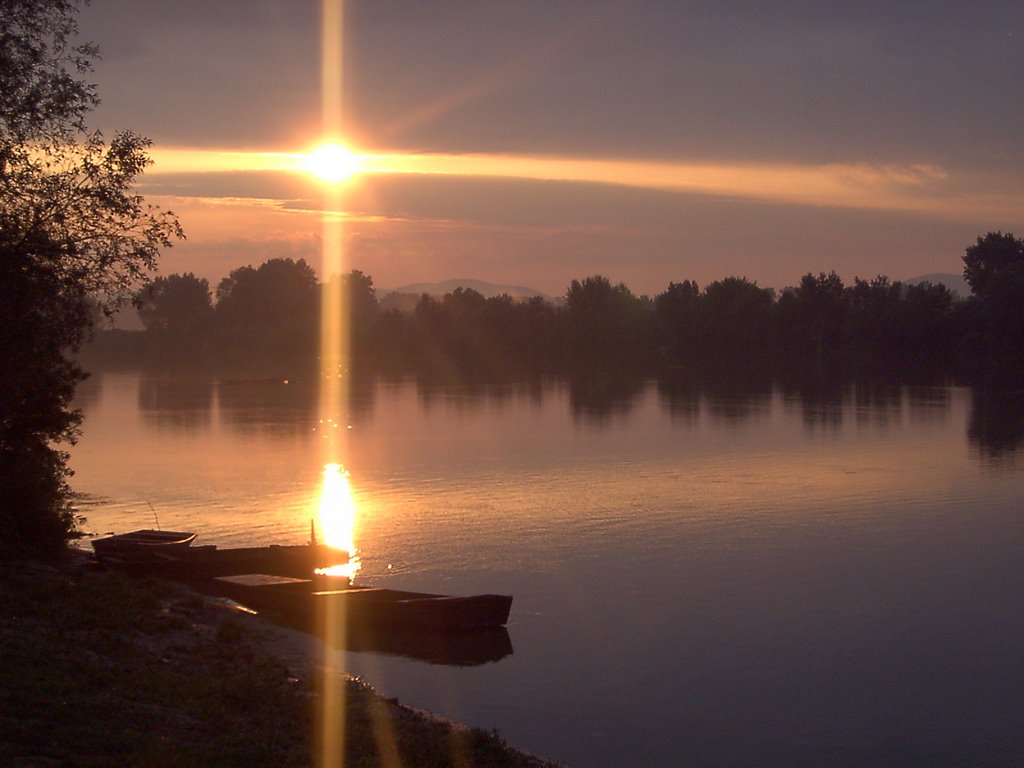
[916,188]
[189,161]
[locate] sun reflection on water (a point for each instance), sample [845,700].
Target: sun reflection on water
[337,516]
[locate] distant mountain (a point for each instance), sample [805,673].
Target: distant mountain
[406,296]
[955,283]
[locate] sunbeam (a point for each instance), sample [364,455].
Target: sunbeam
[333,379]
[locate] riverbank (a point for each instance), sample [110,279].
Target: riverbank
[102,670]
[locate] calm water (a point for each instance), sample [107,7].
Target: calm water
[761,578]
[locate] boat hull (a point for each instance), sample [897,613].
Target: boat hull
[359,608]
[207,562]
[142,543]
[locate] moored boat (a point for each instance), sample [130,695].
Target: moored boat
[304,600]
[210,561]
[143,543]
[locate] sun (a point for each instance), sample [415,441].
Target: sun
[332,162]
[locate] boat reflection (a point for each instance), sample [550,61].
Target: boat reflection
[463,649]
[460,649]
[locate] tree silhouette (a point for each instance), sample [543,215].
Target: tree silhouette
[363,315]
[175,304]
[605,323]
[925,336]
[995,257]
[676,319]
[269,316]
[873,312]
[994,268]
[812,316]
[71,229]
[735,322]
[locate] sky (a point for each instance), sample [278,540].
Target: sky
[533,143]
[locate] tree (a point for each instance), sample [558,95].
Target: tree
[675,320]
[872,315]
[360,300]
[605,322]
[41,94]
[812,316]
[270,316]
[271,293]
[734,322]
[71,233]
[175,304]
[925,336]
[993,258]
[992,321]
[451,333]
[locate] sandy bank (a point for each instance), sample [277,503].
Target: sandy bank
[102,670]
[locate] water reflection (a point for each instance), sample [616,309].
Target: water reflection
[819,398]
[876,404]
[929,405]
[278,405]
[996,426]
[597,397]
[733,396]
[284,406]
[176,403]
[458,649]
[463,395]
[87,393]
[737,408]
[681,398]
[337,516]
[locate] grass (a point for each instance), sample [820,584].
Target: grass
[99,670]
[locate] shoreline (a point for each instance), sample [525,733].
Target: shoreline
[112,670]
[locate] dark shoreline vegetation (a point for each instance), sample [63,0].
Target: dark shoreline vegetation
[266,321]
[103,670]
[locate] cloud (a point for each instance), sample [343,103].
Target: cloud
[919,188]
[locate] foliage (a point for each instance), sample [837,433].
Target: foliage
[176,303]
[811,315]
[735,322]
[41,98]
[994,319]
[676,313]
[269,315]
[72,236]
[604,322]
[872,316]
[875,327]
[993,259]
[464,335]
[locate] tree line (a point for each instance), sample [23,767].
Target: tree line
[267,319]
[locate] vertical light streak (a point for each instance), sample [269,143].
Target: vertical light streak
[333,379]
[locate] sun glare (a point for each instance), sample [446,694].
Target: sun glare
[332,163]
[338,518]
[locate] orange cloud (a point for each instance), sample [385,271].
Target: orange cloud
[912,188]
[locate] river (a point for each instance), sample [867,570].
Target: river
[763,576]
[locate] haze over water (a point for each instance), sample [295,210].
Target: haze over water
[761,577]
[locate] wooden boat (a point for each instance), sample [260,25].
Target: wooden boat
[305,601]
[142,543]
[210,561]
